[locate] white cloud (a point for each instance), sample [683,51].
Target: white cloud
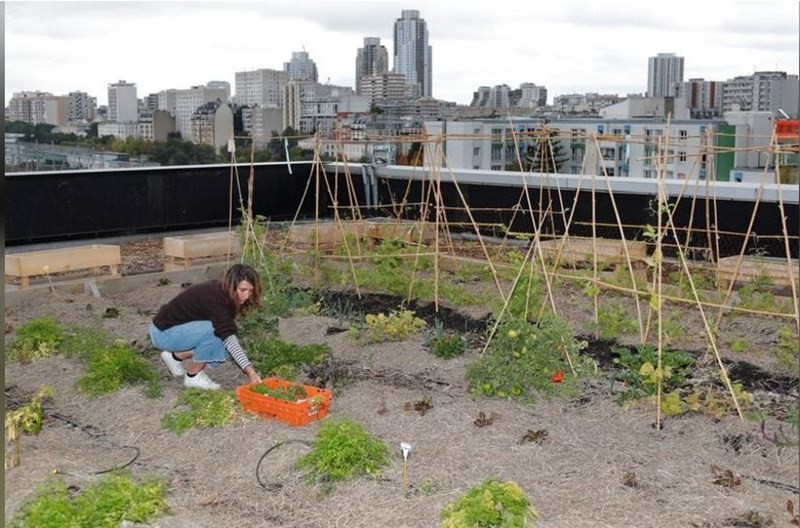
[567,46]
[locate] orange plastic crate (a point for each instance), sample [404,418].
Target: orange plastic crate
[300,412]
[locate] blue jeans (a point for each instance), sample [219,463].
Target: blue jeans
[195,335]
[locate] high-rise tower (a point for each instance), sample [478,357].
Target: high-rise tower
[301,67]
[372,59]
[663,71]
[412,54]
[123,106]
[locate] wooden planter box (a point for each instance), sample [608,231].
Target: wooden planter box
[609,251]
[36,263]
[324,236]
[753,266]
[328,235]
[405,230]
[181,251]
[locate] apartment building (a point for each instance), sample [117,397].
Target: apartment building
[382,88]
[81,107]
[29,106]
[413,55]
[262,122]
[263,87]
[123,105]
[372,59]
[766,91]
[189,100]
[663,71]
[619,148]
[212,124]
[704,98]
[155,125]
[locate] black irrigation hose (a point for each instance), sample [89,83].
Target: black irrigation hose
[88,430]
[268,451]
[774,484]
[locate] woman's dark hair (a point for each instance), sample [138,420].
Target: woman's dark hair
[236,274]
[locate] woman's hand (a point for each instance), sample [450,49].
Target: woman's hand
[252,374]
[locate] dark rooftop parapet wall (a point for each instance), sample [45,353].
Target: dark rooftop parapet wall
[50,206]
[492,196]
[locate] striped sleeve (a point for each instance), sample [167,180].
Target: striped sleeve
[236,351]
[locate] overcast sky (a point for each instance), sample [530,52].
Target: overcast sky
[568,46]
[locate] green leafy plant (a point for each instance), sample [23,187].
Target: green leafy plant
[492,504]
[343,449]
[445,346]
[757,294]
[638,369]
[26,419]
[290,393]
[614,320]
[111,367]
[205,409]
[525,358]
[396,326]
[108,365]
[36,339]
[788,349]
[739,345]
[526,297]
[113,500]
[274,356]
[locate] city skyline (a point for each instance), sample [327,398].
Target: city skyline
[572,47]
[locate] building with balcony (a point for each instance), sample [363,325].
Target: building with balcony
[684,149]
[766,91]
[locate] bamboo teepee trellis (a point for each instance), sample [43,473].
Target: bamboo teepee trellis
[433,213]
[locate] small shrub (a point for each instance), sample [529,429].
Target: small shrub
[111,367]
[396,326]
[445,346]
[343,449]
[492,504]
[523,359]
[638,369]
[108,503]
[206,409]
[36,339]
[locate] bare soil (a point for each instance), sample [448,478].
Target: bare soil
[598,464]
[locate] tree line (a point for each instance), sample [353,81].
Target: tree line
[174,151]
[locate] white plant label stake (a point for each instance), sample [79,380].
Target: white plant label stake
[405,447]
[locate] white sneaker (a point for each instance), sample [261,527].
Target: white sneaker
[175,367]
[200,381]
